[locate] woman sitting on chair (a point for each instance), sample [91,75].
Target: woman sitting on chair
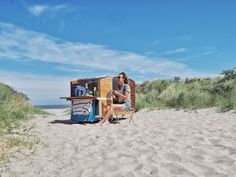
[122,95]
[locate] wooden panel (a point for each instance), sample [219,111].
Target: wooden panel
[132,96]
[74,82]
[104,87]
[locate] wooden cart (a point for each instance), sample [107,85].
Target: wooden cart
[104,86]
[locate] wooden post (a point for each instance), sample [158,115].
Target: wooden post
[104,88]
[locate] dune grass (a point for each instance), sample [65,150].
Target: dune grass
[189,94]
[15,108]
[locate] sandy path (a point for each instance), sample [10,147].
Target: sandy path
[162,143]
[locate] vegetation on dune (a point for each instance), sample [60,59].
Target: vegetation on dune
[191,93]
[15,108]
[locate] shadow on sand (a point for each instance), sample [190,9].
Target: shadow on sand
[70,122]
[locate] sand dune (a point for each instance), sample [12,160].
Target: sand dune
[161,143]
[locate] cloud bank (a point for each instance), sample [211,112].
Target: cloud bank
[23,45]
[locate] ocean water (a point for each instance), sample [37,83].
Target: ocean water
[52,106]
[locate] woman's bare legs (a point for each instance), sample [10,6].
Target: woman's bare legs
[110,110]
[105,110]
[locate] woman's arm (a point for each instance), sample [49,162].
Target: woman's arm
[123,97]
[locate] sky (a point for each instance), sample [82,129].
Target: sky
[46,44]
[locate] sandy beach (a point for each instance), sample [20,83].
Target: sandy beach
[162,143]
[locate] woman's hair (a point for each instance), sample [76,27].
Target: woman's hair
[126,80]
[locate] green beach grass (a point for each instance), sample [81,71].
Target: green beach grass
[189,93]
[15,109]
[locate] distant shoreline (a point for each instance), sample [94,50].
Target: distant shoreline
[52,106]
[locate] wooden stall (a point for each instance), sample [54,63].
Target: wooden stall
[102,97]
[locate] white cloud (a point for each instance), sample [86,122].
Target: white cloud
[17,43]
[179,50]
[70,69]
[40,89]
[20,44]
[204,53]
[38,10]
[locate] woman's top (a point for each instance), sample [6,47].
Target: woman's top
[122,90]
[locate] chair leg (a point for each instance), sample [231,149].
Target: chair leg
[131,117]
[117,117]
[112,119]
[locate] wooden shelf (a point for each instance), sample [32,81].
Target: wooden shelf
[79,97]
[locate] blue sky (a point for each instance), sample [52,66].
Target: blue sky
[45,44]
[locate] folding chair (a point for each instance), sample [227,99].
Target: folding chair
[122,113]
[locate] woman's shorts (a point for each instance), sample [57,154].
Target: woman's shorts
[127,105]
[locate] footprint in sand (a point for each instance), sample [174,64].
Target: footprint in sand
[231,150]
[199,139]
[107,166]
[214,141]
[172,140]
[173,157]
[126,159]
[146,170]
[88,173]
[138,167]
[197,157]
[156,158]
[195,151]
[209,171]
[224,160]
[215,174]
[125,174]
[176,169]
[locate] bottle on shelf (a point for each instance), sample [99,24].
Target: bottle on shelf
[86,89]
[88,92]
[95,91]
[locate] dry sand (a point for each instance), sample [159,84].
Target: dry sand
[161,143]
